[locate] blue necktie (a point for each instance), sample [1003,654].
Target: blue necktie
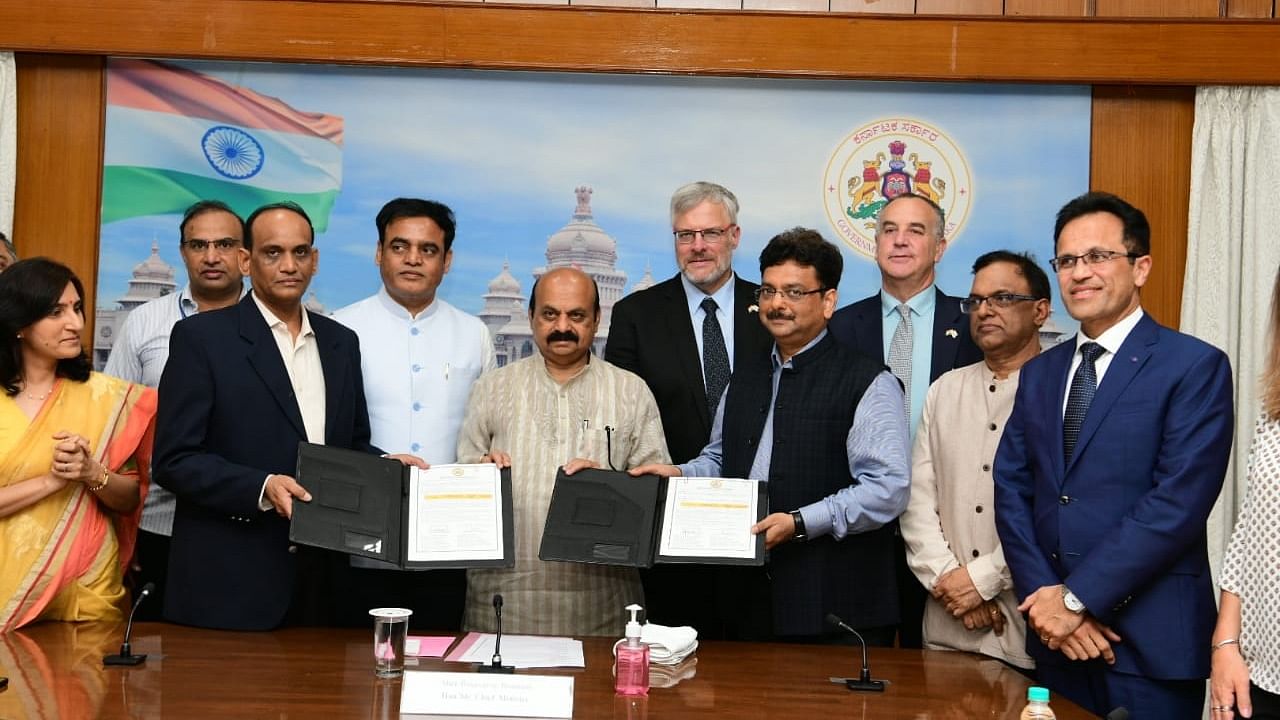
[1083,385]
[715,358]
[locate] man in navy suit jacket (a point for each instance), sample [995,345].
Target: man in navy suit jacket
[909,243]
[1102,514]
[231,416]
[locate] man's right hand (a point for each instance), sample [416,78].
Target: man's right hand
[1091,640]
[655,469]
[280,492]
[497,457]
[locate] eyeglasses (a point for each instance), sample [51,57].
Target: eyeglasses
[711,236]
[1000,300]
[224,245]
[792,294]
[1093,257]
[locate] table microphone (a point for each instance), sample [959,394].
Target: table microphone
[126,656]
[495,665]
[863,682]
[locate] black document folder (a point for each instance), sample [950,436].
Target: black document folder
[611,518]
[360,505]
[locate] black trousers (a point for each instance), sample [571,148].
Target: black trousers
[150,564]
[1266,705]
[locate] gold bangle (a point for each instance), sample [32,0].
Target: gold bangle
[106,477]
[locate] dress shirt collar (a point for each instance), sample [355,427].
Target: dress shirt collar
[274,322]
[187,303]
[1113,337]
[723,297]
[921,303]
[400,311]
[777,357]
[582,372]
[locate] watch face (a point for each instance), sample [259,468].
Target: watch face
[1072,602]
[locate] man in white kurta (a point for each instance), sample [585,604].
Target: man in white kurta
[949,526]
[563,407]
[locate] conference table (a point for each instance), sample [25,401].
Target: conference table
[55,671]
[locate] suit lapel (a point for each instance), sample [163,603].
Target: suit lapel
[947,319]
[868,323]
[333,363]
[1059,364]
[685,346]
[264,358]
[1133,354]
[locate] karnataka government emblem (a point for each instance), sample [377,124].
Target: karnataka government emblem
[887,158]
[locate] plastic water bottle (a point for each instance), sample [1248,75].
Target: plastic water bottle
[1037,705]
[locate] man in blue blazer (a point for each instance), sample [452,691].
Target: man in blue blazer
[242,387]
[1106,473]
[910,241]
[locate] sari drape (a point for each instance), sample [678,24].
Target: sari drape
[63,557]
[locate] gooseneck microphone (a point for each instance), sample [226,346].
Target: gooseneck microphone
[495,665]
[126,656]
[863,682]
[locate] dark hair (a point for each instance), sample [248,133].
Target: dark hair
[207,206]
[292,207]
[401,208]
[1137,233]
[1026,266]
[29,291]
[805,247]
[595,301]
[13,251]
[937,210]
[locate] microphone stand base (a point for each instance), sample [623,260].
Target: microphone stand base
[861,685]
[123,660]
[501,669]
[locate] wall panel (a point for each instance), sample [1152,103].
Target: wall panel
[1048,8]
[1161,9]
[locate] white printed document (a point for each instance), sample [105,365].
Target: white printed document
[455,513]
[709,518]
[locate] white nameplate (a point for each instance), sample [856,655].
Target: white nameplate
[448,693]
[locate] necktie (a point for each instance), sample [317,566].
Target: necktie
[1083,385]
[715,358]
[900,353]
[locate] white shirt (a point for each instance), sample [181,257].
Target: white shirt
[724,298]
[306,375]
[138,355]
[417,372]
[1111,339]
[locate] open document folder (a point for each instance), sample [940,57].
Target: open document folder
[450,516]
[611,518]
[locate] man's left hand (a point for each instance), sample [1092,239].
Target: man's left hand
[413,460]
[1049,617]
[777,527]
[956,591]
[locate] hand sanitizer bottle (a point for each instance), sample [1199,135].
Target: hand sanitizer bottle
[633,660]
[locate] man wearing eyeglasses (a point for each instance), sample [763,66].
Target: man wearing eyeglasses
[949,526]
[1110,463]
[915,328]
[209,235]
[684,337]
[824,426]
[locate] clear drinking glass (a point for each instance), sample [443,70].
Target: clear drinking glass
[390,628]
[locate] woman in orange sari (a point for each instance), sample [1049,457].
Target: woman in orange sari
[75,448]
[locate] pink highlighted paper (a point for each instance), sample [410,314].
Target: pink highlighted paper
[427,646]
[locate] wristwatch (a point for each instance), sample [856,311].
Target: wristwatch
[800,531]
[1071,601]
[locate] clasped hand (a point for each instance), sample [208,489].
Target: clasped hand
[73,460]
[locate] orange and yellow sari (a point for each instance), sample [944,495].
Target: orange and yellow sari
[63,558]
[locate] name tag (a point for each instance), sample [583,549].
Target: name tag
[525,696]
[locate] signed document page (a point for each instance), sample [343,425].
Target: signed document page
[455,514]
[709,518]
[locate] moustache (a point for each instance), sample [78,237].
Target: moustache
[777,314]
[562,336]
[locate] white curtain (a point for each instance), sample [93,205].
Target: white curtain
[8,140]
[1232,256]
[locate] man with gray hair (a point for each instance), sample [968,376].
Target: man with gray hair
[684,336]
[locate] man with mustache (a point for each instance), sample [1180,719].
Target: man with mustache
[685,336]
[209,235]
[1108,467]
[561,407]
[949,526]
[420,356]
[915,328]
[825,426]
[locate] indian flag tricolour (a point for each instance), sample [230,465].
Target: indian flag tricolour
[175,136]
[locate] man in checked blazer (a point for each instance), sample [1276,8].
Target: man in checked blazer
[661,335]
[909,243]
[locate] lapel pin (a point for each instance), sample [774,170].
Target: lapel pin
[951,333]
[753,308]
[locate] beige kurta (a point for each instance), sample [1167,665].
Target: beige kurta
[521,410]
[950,520]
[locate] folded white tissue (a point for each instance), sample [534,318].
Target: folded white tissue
[667,645]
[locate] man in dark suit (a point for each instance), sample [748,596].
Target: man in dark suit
[242,387]
[666,336]
[1108,468]
[933,339]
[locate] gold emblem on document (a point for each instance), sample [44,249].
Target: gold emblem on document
[717,483]
[459,472]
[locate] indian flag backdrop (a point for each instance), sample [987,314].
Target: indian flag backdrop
[177,136]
